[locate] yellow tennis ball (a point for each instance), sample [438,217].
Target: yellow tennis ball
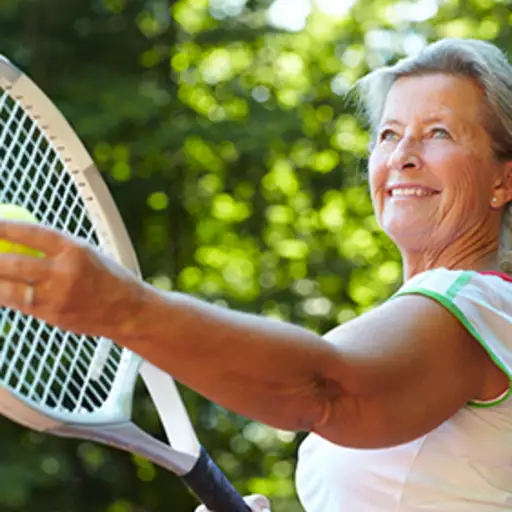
[14,212]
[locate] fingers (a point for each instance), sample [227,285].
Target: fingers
[257,502]
[42,238]
[17,295]
[17,267]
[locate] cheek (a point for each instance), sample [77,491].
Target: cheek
[377,175]
[466,184]
[454,164]
[377,172]
[470,192]
[465,178]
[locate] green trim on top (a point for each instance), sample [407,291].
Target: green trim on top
[459,283]
[457,313]
[491,403]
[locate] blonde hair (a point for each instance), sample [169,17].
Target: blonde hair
[479,61]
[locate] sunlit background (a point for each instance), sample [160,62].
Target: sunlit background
[225,133]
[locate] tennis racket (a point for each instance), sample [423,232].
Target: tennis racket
[58,382]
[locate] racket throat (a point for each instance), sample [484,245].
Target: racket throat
[130,438]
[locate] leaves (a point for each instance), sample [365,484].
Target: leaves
[237,162]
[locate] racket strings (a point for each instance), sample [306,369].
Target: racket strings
[34,176]
[50,367]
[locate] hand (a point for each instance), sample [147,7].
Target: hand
[75,287]
[257,503]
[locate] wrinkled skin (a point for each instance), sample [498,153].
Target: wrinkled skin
[432,136]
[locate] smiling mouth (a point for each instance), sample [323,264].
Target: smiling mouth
[412,192]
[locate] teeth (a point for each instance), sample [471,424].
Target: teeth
[405,192]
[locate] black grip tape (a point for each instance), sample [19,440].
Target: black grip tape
[211,486]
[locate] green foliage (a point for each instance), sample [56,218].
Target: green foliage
[238,165]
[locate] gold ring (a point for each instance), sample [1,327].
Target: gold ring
[30,294]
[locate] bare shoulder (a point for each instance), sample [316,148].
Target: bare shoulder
[408,365]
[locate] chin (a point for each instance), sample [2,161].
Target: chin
[409,238]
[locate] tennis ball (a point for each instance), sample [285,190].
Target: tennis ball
[14,212]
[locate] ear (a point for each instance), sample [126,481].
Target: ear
[503,187]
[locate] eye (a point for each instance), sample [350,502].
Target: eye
[387,135]
[440,133]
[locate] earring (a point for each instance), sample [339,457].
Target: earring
[494,200]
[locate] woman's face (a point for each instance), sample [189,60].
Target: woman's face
[432,170]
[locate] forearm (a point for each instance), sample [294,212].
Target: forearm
[259,367]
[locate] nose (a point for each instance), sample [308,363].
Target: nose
[404,157]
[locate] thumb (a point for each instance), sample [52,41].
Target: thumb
[258,503]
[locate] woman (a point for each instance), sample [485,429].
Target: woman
[409,405]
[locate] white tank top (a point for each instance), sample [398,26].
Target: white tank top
[464,465]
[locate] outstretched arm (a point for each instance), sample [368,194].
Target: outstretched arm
[382,379]
[385,378]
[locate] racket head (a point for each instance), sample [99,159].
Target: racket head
[50,377]
[64,151]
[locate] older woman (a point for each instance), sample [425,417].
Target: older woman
[409,405]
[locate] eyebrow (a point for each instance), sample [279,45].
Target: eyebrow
[389,121]
[435,118]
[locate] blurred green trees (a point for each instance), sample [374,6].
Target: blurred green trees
[225,134]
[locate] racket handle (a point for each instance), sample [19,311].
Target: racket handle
[210,485]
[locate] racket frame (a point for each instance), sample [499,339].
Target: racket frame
[183,455]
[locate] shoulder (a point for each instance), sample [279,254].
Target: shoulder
[443,330]
[481,301]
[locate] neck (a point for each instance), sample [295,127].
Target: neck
[464,254]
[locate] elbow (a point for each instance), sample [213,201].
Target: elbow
[308,407]
[326,397]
